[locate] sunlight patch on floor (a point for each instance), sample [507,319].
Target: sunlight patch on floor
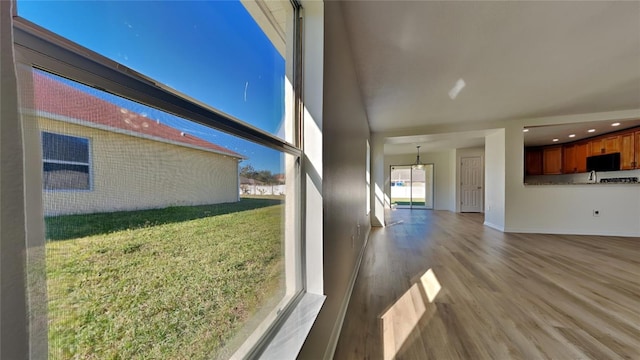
[430,284]
[401,319]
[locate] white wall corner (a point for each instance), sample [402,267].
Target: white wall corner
[377,180]
[313,101]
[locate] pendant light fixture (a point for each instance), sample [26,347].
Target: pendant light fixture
[418,165]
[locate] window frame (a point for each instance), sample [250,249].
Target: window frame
[88,164]
[41,49]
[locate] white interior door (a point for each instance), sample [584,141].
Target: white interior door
[471,184]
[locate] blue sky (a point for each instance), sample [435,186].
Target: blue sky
[212,51]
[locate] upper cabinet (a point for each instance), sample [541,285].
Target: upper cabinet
[574,157]
[597,147]
[552,160]
[636,140]
[605,145]
[583,149]
[533,161]
[569,165]
[611,144]
[627,151]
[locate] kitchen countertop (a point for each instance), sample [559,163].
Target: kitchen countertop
[608,178]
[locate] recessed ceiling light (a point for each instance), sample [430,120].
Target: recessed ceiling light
[525,130]
[591,130]
[572,135]
[615,124]
[554,140]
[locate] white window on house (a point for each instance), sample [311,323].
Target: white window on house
[65,162]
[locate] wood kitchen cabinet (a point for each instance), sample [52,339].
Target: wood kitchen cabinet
[552,160]
[597,146]
[583,150]
[627,151]
[574,157]
[569,165]
[605,145]
[636,141]
[612,144]
[533,161]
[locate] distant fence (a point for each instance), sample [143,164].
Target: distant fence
[417,192]
[247,189]
[405,191]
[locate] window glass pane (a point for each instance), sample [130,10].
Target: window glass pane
[213,51]
[65,148]
[185,247]
[65,176]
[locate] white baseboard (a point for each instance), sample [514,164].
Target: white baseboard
[494,226]
[568,232]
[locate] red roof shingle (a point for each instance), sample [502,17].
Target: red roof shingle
[54,97]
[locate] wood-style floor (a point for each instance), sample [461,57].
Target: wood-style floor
[501,296]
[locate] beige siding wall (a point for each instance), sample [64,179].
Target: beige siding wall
[129,173]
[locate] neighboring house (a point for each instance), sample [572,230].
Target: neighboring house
[99,157]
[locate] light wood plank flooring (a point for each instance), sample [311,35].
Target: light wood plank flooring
[501,296]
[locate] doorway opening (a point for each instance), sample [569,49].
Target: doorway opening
[412,186]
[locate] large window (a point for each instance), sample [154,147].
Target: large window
[65,162]
[188,244]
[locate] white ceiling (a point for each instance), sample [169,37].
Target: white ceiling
[518,60]
[435,142]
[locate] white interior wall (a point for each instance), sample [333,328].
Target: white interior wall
[494,214]
[467,152]
[444,175]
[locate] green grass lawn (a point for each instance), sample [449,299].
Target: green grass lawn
[175,283]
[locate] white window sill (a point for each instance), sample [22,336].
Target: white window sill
[288,340]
